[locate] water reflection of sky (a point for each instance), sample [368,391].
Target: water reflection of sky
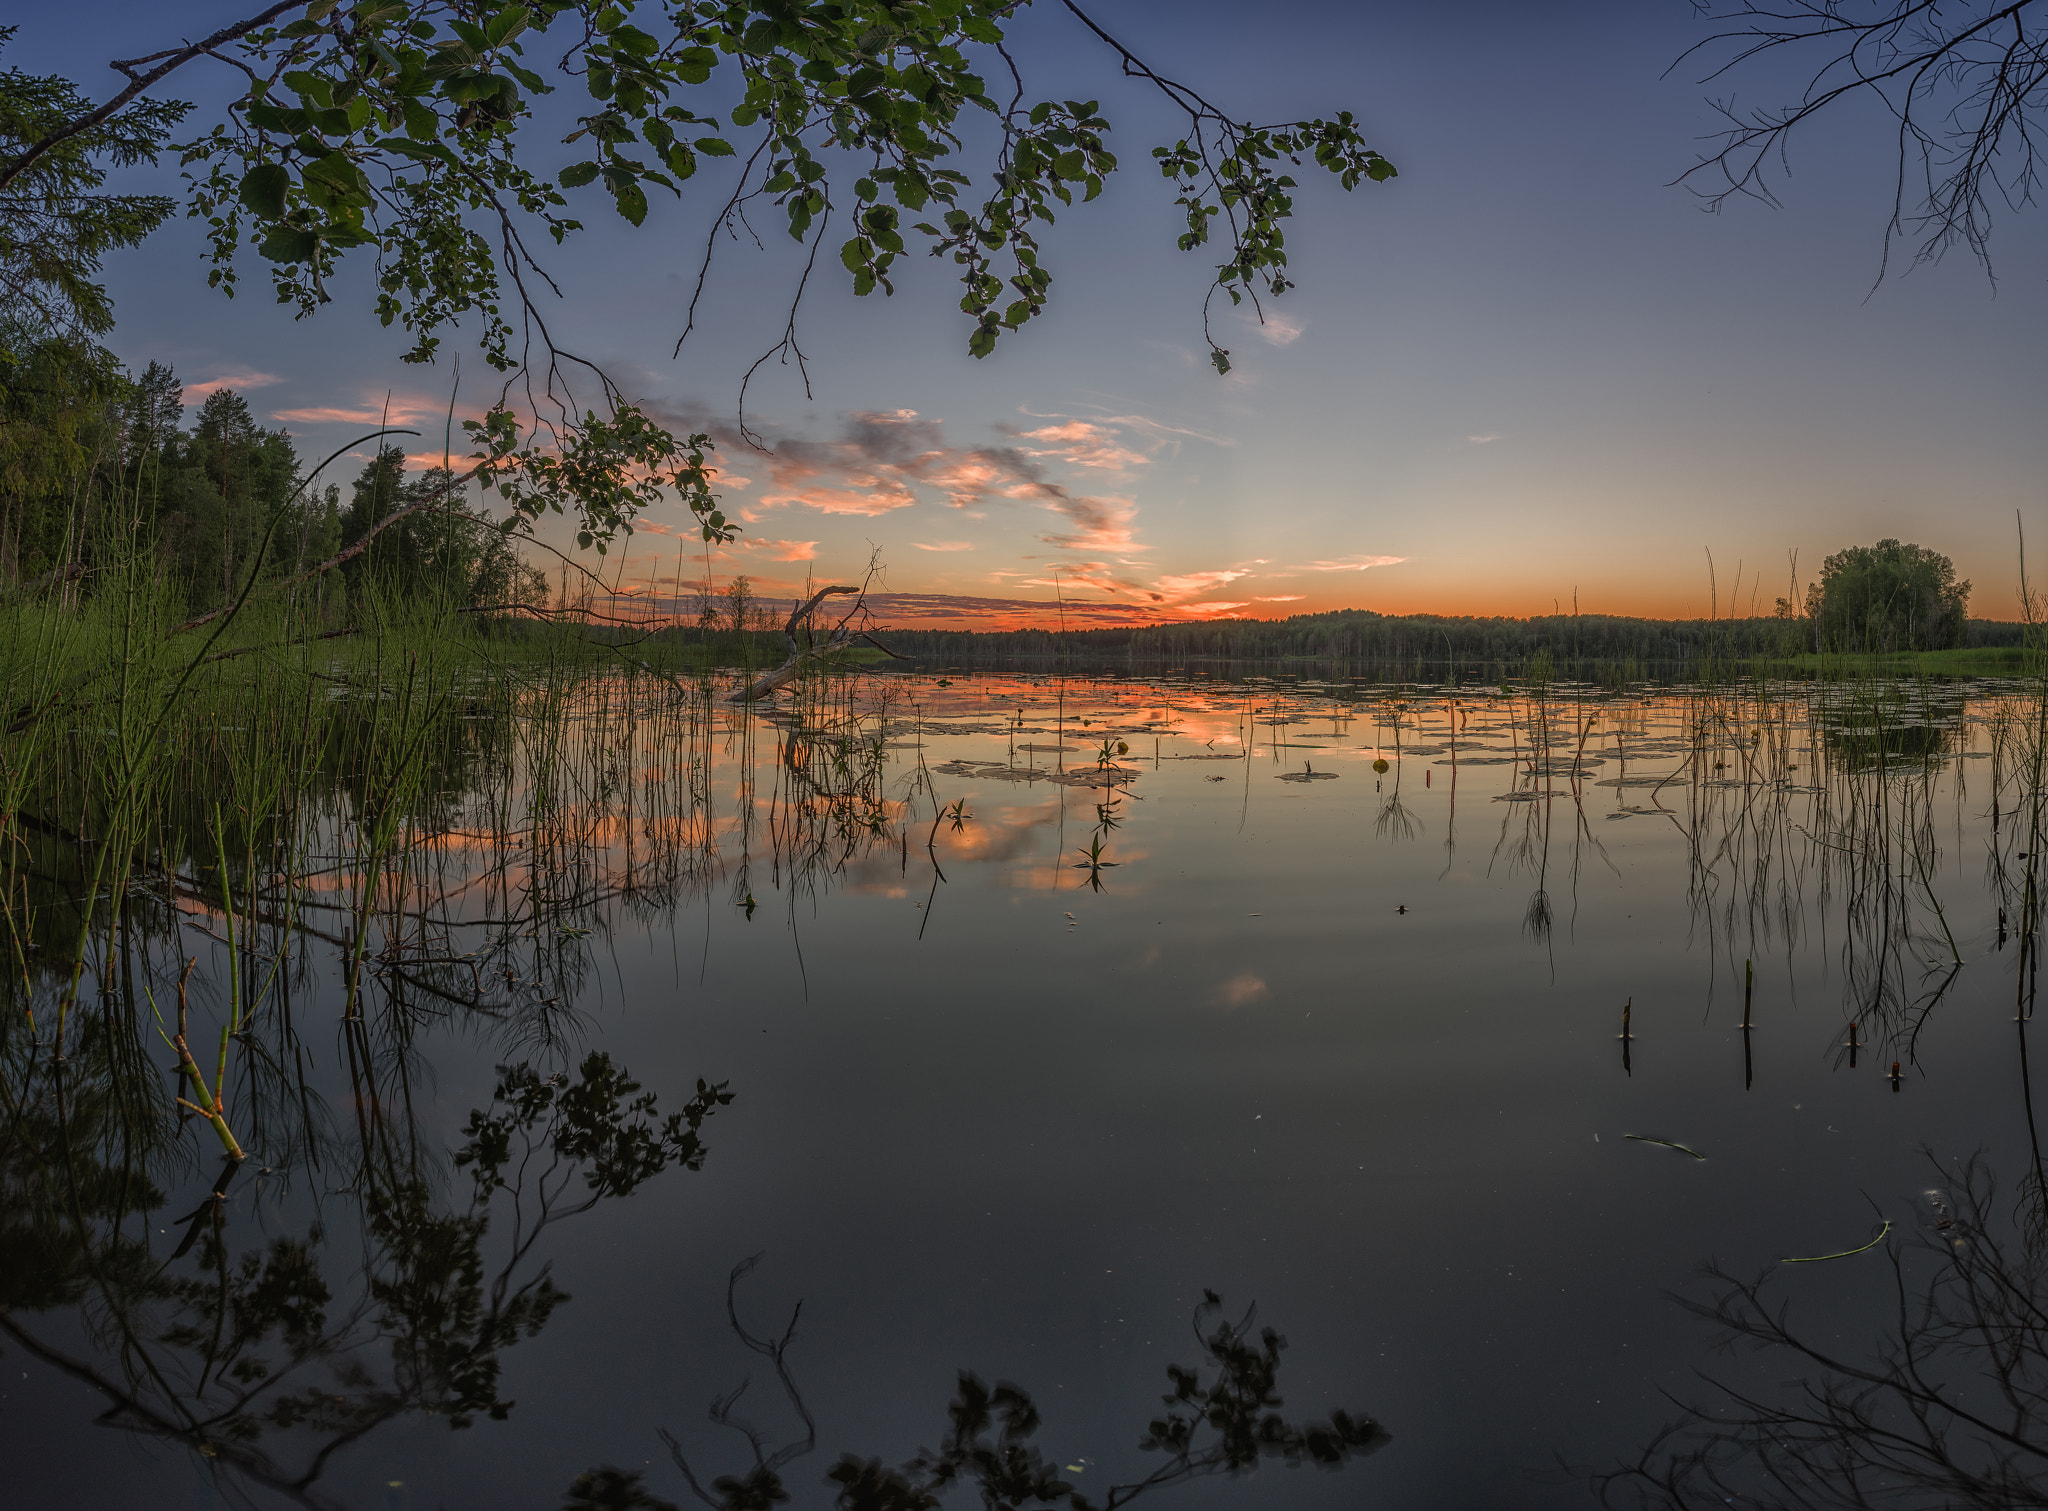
[1347,1047]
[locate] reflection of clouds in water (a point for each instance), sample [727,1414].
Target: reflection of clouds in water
[995,834]
[1238,991]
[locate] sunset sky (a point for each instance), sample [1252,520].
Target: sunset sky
[1528,368]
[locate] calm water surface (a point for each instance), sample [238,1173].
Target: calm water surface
[1045,1006]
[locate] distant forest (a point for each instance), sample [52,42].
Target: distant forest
[1361,635]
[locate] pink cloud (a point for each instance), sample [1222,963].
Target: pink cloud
[1281,598]
[408,412]
[1351,564]
[1087,575]
[195,393]
[882,461]
[866,497]
[1084,444]
[945,545]
[1102,524]
[426,459]
[1279,330]
[1191,583]
[781,550]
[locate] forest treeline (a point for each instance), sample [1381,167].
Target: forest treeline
[1361,635]
[98,462]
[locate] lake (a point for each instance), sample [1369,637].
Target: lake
[996,1020]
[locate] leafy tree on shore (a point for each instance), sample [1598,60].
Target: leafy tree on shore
[96,463]
[214,494]
[1889,597]
[450,552]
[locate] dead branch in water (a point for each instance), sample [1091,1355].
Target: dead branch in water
[809,648]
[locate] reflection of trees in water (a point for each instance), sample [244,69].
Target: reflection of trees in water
[1222,1417]
[1888,727]
[269,1360]
[1947,1408]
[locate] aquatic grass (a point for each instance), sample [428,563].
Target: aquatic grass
[1883,1233]
[1644,1138]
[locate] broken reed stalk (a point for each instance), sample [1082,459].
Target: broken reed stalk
[1748,990]
[1624,1018]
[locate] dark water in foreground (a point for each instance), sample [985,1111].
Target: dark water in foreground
[1337,1041]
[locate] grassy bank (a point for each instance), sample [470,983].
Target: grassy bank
[1965,661]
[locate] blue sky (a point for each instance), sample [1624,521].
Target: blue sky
[1527,368]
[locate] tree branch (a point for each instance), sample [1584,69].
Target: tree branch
[14,167]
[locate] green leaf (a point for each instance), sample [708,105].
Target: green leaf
[264,188]
[288,244]
[311,86]
[267,117]
[713,146]
[506,25]
[421,124]
[335,177]
[467,88]
[1219,359]
[632,202]
[419,152]
[576,175]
